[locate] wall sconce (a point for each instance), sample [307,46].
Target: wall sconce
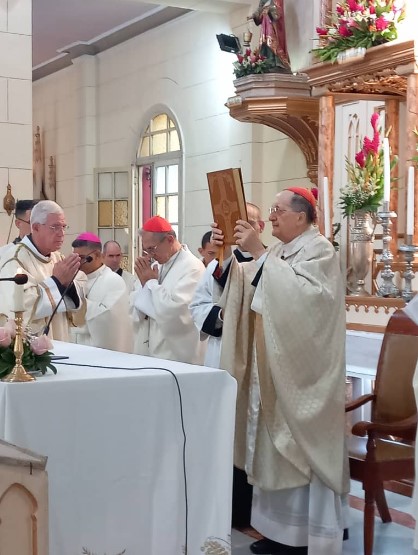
[9,202]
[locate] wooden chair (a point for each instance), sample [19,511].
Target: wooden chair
[377,451]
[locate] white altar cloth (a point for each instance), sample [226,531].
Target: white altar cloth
[114,444]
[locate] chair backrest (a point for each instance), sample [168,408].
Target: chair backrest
[395,399]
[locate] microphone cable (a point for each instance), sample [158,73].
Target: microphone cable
[186,497]
[48,324]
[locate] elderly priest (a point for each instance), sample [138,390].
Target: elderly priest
[104,321]
[164,325]
[50,275]
[284,339]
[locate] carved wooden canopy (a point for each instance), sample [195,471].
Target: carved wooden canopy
[282,102]
[290,103]
[382,72]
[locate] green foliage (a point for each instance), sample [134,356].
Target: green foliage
[251,63]
[30,361]
[359,24]
[365,177]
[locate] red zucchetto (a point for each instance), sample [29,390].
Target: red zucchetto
[157,224]
[305,193]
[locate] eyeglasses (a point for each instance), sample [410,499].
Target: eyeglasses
[150,251]
[22,220]
[58,228]
[277,210]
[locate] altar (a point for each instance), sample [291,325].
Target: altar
[114,443]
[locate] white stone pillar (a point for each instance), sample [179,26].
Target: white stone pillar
[15,104]
[85,148]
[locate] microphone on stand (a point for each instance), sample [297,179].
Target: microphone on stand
[48,324]
[19,279]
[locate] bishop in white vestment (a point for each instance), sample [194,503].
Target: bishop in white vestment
[164,327]
[50,275]
[105,320]
[284,341]
[204,308]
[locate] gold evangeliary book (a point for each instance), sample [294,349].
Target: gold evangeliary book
[228,201]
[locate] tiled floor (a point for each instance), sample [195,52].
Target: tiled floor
[390,539]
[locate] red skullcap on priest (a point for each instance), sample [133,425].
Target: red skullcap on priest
[305,193]
[90,237]
[157,224]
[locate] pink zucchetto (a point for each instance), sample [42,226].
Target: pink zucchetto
[87,236]
[157,224]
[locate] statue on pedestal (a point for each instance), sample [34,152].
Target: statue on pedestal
[270,15]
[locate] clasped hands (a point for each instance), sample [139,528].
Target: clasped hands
[66,269]
[144,271]
[246,238]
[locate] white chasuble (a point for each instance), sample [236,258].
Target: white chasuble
[163,325]
[287,353]
[41,293]
[105,320]
[129,279]
[203,305]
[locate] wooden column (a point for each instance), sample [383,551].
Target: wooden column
[326,140]
[392,123]
[411,138]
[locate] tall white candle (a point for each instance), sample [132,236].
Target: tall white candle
[18,298]
[327,216]
[386,170]
[410,201]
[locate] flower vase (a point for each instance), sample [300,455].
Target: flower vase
[351,55]
[361,251]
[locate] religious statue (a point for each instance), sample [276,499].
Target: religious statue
[270,15]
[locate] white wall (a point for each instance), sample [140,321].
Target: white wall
[92,115]
[15,105]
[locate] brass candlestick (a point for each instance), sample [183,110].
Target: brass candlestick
[18,374]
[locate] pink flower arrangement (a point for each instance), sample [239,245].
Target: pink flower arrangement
[359,24]
[5,338]
[36,351]
[251,63]
[364,190]
[41,345]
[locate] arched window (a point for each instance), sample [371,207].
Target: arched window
[159,160]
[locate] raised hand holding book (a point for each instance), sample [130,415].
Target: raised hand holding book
[228,202]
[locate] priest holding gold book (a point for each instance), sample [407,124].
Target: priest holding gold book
[284,341]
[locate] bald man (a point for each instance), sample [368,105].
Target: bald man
[112,257]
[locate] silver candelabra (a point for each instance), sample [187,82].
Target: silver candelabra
[408,250]
[387,288]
